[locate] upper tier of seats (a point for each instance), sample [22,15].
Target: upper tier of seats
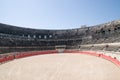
[14,36]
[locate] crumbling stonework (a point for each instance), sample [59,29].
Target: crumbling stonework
[13,36]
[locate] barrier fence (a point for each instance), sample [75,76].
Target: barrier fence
[6,58]
[97,54]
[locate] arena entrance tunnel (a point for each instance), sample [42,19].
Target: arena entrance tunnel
[69,65]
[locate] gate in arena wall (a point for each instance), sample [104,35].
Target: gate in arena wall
[60,48]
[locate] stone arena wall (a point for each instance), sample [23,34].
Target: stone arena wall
[17,39]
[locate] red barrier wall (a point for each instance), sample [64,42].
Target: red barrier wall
[27,54]
[115,61]
[10,57]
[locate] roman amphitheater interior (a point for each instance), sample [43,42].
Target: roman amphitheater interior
[99,37]
[102,39]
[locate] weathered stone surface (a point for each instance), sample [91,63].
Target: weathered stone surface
[13,36]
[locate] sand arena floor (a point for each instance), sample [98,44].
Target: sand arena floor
[60,67]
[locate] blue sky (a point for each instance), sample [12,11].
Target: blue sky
[58,14]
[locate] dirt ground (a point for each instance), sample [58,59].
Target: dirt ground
[60,67]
